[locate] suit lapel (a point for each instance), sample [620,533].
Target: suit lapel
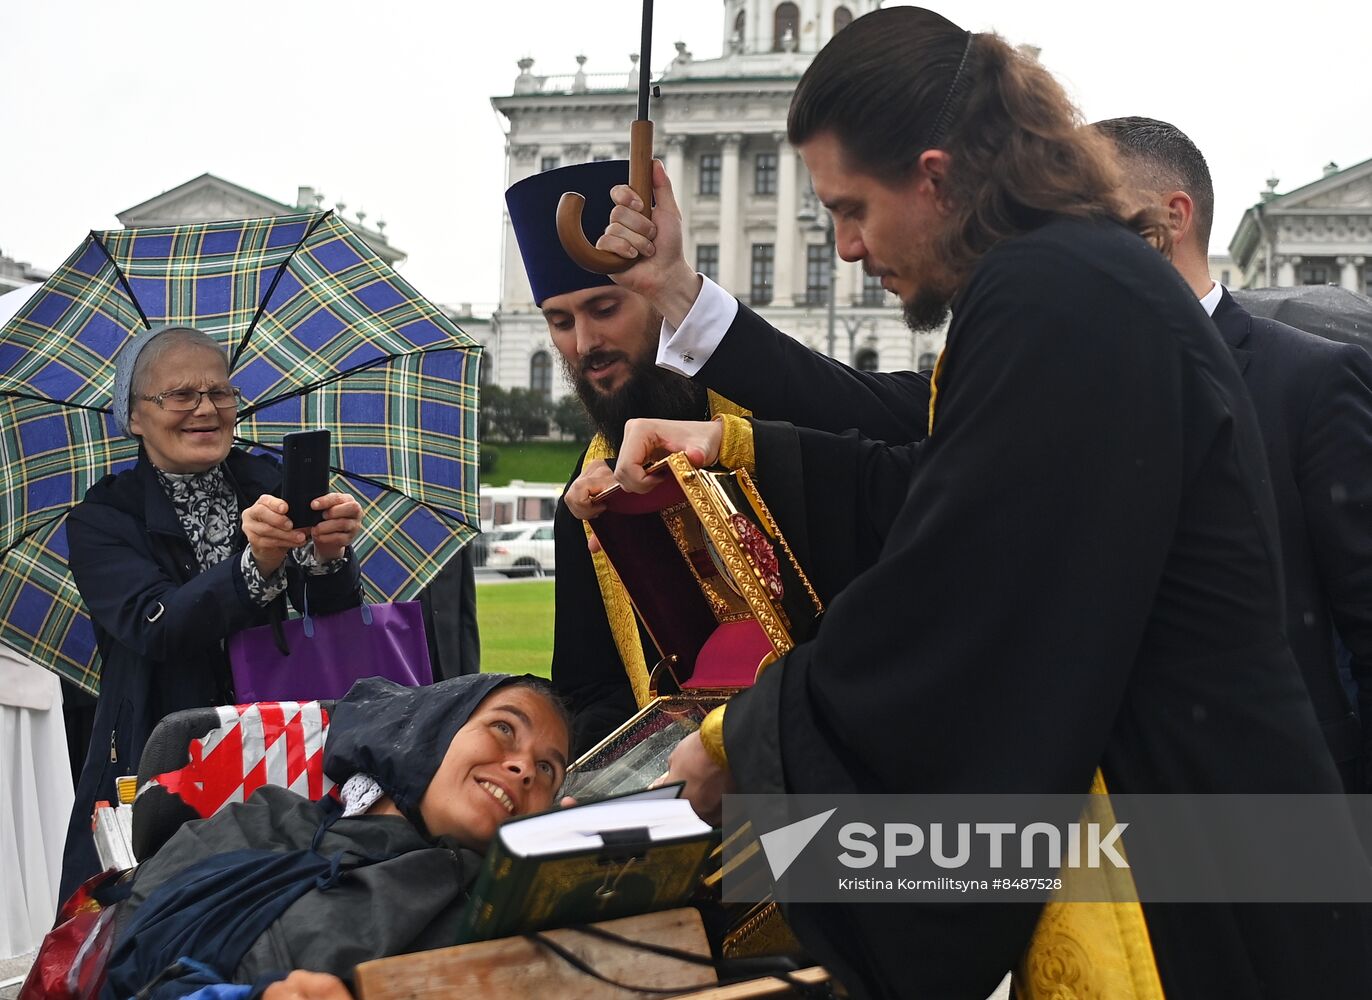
[1234,325]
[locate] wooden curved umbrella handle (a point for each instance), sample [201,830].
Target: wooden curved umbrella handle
[570,206]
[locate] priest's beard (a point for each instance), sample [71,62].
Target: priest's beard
[649,391]
[926,312]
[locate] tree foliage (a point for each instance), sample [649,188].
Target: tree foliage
[573,420]
[513,414]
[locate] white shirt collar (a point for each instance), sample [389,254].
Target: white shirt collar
[1211,299]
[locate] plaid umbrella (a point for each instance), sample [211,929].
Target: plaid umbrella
[320,333]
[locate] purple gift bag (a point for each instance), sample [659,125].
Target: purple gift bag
[329,652]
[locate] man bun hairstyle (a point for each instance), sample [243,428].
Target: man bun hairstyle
[879,87]
[903,80]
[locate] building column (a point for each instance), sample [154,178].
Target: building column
[1286,270]
[754,40]
[787,238]
[730,229]
[1348,273]
[522,162]
[676,173]
[849,281]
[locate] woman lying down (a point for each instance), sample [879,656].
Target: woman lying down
[280,883]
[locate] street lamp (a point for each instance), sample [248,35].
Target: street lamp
[818,220]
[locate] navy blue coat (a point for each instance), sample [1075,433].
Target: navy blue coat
[160,622]
[1313,398]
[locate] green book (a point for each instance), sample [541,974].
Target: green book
[600,860]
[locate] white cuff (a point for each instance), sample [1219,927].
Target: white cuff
[686,348]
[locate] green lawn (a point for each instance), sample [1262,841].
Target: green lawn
[516,622]
[533,461]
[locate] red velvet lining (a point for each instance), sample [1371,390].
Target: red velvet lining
[658,580]
[730,656]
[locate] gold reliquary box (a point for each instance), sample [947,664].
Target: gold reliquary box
[716,588]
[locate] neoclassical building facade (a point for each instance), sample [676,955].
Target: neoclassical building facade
[1320,233]
[208,198]
[751,220]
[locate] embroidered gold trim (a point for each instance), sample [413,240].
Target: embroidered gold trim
[1084,951]
[713,509]
[618,610]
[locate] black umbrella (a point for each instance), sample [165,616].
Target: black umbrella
[569,230]
[1325,310]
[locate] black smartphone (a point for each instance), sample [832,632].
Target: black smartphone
[305,456]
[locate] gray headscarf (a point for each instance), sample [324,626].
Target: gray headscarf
[124,366]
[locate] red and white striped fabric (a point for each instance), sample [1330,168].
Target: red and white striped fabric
[267,743]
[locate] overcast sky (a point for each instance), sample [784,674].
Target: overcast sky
[385,106]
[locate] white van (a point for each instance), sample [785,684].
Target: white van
[520,501]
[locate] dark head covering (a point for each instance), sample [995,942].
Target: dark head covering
[399,735]
[533,213]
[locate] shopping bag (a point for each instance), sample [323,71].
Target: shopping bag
[70,964]
[326,653]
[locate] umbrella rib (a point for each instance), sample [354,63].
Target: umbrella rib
[39,527]
[262,306]
[252,408]
[13,394]
[119,273]
[386,487]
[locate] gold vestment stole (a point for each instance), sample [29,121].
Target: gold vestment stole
[1085,951]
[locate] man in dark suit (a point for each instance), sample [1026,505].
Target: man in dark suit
[1314,403]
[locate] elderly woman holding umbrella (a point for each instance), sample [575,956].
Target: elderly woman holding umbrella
[163,567]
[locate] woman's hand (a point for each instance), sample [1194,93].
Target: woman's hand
[646,440]
[342,521]
[270,533]
[301,985]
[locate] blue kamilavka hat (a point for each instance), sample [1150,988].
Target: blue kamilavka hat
[533,213]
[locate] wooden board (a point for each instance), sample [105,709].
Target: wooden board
[769,986]
[517,968]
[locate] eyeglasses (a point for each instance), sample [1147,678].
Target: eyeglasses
[181,400]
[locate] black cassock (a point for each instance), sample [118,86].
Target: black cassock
[1080,570]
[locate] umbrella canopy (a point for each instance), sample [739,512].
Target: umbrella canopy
[320,332]
[1324,310]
